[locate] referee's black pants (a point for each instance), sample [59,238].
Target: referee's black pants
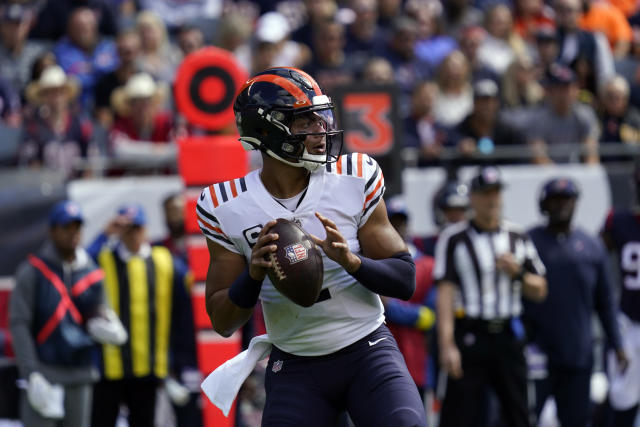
[492,356]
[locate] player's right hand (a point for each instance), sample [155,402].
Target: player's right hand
[450,361]
[260,262]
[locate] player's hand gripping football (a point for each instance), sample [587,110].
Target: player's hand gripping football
[260,263]
[335,246]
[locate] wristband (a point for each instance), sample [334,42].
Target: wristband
[244,292]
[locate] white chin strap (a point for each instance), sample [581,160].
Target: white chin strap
[311,162]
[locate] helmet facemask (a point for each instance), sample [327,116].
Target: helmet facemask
[291,128]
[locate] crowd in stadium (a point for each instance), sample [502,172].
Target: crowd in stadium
[475,76]
[87,90]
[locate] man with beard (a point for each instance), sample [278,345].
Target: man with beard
[578,283]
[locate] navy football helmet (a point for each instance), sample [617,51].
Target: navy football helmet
[266,107]
[452,195]
[557,187]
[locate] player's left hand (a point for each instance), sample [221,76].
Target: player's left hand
[507,264]
[335,246]
[623,359]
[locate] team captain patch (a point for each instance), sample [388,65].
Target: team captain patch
[296,253]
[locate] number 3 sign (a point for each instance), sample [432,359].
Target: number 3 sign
[371,121]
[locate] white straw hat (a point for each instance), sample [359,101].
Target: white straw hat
[51,77]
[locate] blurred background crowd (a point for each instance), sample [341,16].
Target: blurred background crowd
[85,85]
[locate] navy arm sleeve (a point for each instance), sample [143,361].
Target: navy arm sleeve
[391,277]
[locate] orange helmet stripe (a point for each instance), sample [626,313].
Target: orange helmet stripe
[302,100]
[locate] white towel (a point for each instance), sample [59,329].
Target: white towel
[223,384]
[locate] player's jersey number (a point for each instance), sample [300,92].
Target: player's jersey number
[630,262]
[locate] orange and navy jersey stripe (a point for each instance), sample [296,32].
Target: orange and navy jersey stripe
[348,164]
[225,191]
[374,188]
[218,194]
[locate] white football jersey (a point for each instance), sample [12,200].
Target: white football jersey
[232,214]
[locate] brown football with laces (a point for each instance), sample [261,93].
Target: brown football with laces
[297,270]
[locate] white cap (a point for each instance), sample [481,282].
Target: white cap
[272,27]
[140,85]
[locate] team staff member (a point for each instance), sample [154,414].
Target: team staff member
[147,288]
[483,268]
[579,283]
[337,354]
[53,311]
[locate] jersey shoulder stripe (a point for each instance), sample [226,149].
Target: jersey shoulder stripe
[348,164]
[224,191]
[374,188]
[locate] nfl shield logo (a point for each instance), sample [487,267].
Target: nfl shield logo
[296,253]
[277,365]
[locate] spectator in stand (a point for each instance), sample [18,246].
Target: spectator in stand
[53,17]
[432,44]
[271,46]
[470,41]
[568,124]
[234,35]
[363,34]
[579,45]
[579,286]
[189,39]
[530,15]
[455,99]
[84,55]
[55,137]
[389,11]
[400,52]
[16,52]
[519,86]
[628,7]
[620,121]
[158,57]
[484,128]
[547,48]
[601,16]
[329,64]
[499,49]
[317,11]
[420,129]
[378,71]
[128,47]
[142,130]
[459,15]
[410,320]
[10,113]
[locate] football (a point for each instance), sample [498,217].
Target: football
[297,270]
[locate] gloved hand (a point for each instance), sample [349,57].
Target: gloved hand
[107,328]
[178,393]
[45,398]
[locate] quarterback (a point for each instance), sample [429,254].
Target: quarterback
[336,355]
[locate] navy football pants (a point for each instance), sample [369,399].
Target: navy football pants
[371,382]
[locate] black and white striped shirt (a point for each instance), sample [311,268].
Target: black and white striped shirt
[466,256]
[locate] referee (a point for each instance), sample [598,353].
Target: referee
[483,267]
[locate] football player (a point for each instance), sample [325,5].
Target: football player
[336,354]
[622,233]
